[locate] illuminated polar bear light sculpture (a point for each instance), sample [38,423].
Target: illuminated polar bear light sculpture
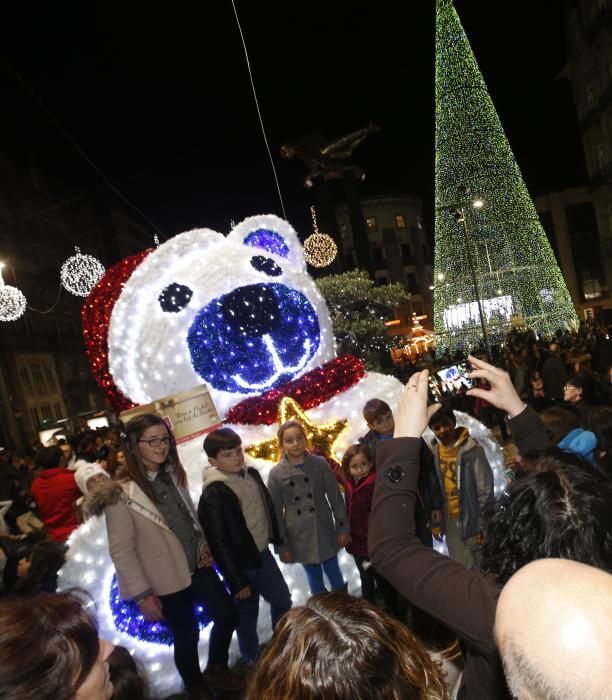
[241,314]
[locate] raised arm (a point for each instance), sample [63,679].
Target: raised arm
[463,600]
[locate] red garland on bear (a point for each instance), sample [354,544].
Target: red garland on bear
[96,314]
[310,390]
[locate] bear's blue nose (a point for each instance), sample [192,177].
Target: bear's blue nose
[253,338]
[255,308]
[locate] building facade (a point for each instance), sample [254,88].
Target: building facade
[588,28]
[570,222]
[44,372]
[400,249]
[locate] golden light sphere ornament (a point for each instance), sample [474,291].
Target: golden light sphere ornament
[321,437]
[320,249]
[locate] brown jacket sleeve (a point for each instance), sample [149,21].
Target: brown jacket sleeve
[529,432]
[463,600]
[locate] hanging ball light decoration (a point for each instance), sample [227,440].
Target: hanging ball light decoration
[320,249]
[80,273]
[12,302]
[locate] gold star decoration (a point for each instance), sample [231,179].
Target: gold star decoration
[320,437]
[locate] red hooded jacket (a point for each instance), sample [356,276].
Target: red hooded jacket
[358,505]
[55,492]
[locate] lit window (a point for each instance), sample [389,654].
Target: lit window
[400,222]
[371,223]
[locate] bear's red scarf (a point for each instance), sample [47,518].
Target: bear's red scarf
[310,390]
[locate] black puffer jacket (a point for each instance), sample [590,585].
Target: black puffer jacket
[230,541]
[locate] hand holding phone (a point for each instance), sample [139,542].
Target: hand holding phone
[502,393]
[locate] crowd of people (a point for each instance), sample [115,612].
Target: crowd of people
[520,607]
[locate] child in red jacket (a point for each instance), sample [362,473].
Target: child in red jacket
[55,492]
[358,478]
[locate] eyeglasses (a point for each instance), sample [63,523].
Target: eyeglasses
[156,442]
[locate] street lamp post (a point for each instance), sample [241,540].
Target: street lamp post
[458,213]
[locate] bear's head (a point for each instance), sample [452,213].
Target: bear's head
[238,312]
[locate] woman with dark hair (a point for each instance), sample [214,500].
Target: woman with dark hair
[561,508]
[161,557]
[37,573]
[344,648]
[50,650]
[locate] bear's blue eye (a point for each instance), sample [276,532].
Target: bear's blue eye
[174,297]
[266,265]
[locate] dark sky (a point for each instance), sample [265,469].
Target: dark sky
[161,100]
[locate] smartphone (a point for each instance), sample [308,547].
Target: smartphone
[449,382]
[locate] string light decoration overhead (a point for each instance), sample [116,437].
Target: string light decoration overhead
[319,248]
[509,247]
[12,301]
[80,273]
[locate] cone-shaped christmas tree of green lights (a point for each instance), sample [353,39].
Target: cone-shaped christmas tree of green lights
[513,263]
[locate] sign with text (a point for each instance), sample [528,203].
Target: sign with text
[188,414]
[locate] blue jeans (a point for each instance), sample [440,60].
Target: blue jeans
[267,582]
[314,574]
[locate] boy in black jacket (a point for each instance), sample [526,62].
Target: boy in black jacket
[238,519]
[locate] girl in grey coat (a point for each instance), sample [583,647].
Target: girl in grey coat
[310,510]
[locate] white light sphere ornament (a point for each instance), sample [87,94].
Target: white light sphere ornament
[80,273]
[12,301]
[320,249]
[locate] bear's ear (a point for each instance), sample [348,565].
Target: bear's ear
[272,235]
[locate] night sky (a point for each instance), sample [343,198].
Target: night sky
[161,101]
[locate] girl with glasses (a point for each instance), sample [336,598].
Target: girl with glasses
[161,557]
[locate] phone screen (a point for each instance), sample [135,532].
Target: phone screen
[450,381]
